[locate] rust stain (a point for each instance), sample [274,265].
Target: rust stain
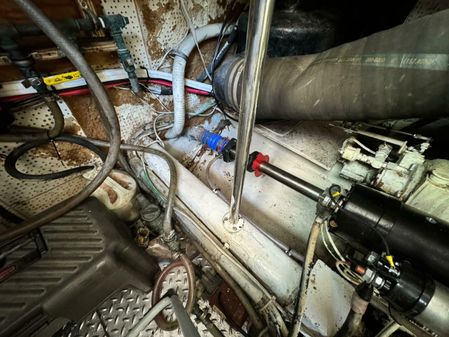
[112,195]
[71,128]
[86,113]
[152,20]
[71,154]
[195,66]
[119,97]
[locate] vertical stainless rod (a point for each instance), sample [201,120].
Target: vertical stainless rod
[259,21]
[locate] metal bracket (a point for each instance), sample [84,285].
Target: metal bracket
[233,227]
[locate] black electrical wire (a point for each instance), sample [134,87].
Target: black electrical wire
[384,241]
[219,55]
[107,112]
[58,118]
[14,156]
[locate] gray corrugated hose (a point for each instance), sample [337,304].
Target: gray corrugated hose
[179,66]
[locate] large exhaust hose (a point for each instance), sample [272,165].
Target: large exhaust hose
[397,73]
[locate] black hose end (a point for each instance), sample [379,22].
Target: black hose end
[365,291]
[228,151]
[226,80]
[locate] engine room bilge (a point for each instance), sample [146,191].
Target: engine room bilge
[224,168]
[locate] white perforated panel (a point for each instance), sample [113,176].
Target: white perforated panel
[133,32]
[168,27]
[28,197]
[132,117]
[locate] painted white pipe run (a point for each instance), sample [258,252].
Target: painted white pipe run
[271,265]
[179,66]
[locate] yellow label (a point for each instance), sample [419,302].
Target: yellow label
[61,78]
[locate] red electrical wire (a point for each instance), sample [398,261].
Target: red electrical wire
[85,90]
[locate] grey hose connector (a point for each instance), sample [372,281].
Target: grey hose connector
[179,66]
[107,112]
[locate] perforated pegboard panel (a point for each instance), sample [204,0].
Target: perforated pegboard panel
[168,27]
[28,197]
[133,117]
[134,32]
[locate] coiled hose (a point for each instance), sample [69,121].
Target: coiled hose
[107,112]
[156,297]
[179,65]
[13,157]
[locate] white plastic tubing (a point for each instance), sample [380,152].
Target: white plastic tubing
[272,267]
[179,66]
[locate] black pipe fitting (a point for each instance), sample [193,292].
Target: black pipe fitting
[115,23]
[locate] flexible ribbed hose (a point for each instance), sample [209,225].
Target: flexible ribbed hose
[397,73]
[179,66]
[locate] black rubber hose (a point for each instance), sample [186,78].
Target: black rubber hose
[13,157]
[398,73]
[351,324]
[88,24]
[57,115]
[55,131]
[107,112]
[25,63]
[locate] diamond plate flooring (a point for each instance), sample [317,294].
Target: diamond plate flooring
[121,312]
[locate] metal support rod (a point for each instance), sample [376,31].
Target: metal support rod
[260,12]
[291,181]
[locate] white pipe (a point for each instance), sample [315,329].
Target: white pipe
[15,88]
[178,73]
[199,233]
[273,268]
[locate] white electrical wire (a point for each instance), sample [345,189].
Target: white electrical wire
[193,32]
[156,134]
[175,46]
[363,146]
[334,246]
[341,263]
[323,239]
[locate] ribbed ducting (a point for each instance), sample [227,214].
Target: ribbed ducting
[397,73]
